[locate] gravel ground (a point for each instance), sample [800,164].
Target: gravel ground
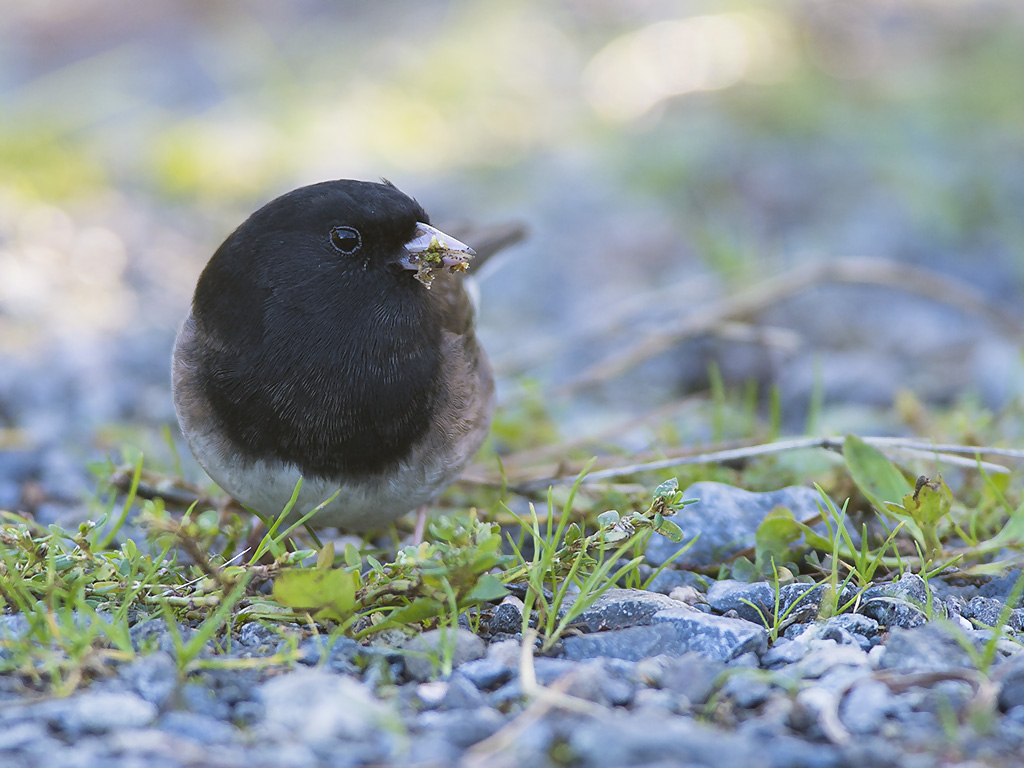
[686,673]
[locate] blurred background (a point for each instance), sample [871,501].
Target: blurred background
[820,198]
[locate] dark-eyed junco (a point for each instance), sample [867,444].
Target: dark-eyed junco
[330,339]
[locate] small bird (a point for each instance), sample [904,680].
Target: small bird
[331,338]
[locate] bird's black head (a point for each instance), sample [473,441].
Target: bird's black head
[322,348]
[325,232]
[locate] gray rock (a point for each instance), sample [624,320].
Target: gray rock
[486,673]
[463,729]
[13,626]
[902,603]
[617,691]
[313,705]
[153,677]
[674,632]
[247,713]
[855,623]
[334,653]
[1010,678]
[943,697]
[548,670]
[616,741]
[432,748]
[796,629]
[205,730]
[757,602]
[24,734]
[747,690]
[811,706]
[632,643]
[460,693]
[507,619]
[690,675]
[291,755]
[747,660]
[424,652]
[200,699]
[10,493]
[986,612]
[670,579]
[100,712]
[601,682]
[498,666]
[619,608]
[153,635]
[825,656]
[650,740]
[380,666]
[785,651]
[715,637]
[726,519]
[254,634]
[930,648]
[426,695]
[1001,588]
[655,702]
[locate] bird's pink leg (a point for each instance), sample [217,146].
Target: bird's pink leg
[421,526]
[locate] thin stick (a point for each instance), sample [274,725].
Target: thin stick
[911,448]
[767,293]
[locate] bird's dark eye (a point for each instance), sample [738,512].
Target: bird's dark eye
[346,239]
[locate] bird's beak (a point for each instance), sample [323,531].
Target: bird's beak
[432,249]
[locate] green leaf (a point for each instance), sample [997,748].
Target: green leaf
[333,591]
[420,609]
[876,477]
[667,489]
[774,538]
[1012,533]
[814,539]
[352,558]
[607,518]
[325,558]
[488,588]
[744,570]
[930,503]
[616,533]
[671,530]
[573,534]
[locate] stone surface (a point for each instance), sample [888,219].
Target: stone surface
[153,677]
[902,603]
[761,603]
[1009,677]
[854,623]
[98,712]
[632,643]
[507,618]
[726,519]
[715,637]
[930,648]
[691,675]
[310,705]
[1001,587]
[423,652]
[621,741]
[618,608]
[986,612]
